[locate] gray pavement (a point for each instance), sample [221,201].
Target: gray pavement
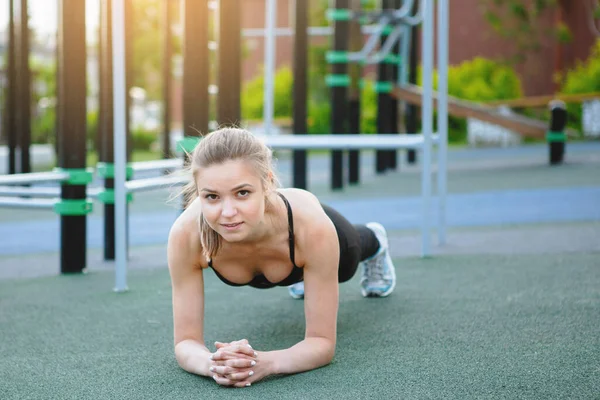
[496,196]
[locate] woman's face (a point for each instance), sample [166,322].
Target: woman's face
[232,199]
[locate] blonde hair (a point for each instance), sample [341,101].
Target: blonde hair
[218,147]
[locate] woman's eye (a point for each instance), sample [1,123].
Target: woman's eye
[243,193]
[210,196]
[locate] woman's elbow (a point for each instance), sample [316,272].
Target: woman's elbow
[329,352]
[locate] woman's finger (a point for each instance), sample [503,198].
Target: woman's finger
[221,380]
[233,352]
[239,376]
[239,349]
[240,363]
[221,370]
[219,345]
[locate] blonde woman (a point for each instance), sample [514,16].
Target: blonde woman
[250,232]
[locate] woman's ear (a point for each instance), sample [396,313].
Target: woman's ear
[271,179]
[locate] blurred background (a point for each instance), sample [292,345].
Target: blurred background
[499,50]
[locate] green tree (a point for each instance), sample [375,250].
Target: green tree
[43,98]
[583,78]
[518,21]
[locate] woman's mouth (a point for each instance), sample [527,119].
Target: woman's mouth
[231,227]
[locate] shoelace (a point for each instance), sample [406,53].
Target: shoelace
[374,268]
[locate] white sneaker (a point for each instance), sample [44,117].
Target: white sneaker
[296,290]
[378,272]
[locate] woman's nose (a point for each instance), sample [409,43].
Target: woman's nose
[229,209]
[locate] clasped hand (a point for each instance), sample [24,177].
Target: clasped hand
[236,364]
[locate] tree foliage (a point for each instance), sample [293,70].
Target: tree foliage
[518,21]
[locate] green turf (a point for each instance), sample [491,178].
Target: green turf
[507,326]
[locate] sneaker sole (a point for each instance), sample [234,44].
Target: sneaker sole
[376,294]
[381,229]
[296,296]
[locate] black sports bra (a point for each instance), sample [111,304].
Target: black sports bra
[260,281]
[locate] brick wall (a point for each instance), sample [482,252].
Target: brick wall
[470,36]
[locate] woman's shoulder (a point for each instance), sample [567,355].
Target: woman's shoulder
[307,209]
[301,200]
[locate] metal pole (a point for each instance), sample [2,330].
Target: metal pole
[412,65]
[168,53]
[270,48]
[11,84]
[229,56]
[23,85]
[427,116]
[442,115]
[384,101]
[120,142]
[72,124]
[556,136]
[106,122]
[300,87]
[195,67]
[355,73]
[339,105]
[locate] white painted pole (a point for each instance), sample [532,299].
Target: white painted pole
[443,21]
[427,117]
[120,158]
[269,74]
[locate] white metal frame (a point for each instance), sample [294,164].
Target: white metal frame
[423,142]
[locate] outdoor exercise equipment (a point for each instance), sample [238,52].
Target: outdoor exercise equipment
[553,132]
[388,46]
[76,194]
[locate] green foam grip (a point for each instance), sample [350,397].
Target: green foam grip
[188,143]
[383,87]
[77,176]
[107,170]
[72,207]
[387,30]
[336,57]
[556,137]
[107,196]
[392,59]
[340,80]
[339,14]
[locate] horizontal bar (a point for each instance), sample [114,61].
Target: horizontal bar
[45,192]
[17,202]
[157,165]
[141,185]
[280,32]
[40,192]
[347,142]
[33,177]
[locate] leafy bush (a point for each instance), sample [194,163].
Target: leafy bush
[93,142]
[319,117]
[584,78]
[43,97]
[253,96]
[477,80]
[319,112]
[482,80]
[368,108]
[142,139]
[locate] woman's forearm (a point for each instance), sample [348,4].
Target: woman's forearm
[193,357]
[308,354]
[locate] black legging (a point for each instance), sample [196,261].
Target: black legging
[357,242]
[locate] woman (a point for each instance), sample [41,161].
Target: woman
[249,232]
